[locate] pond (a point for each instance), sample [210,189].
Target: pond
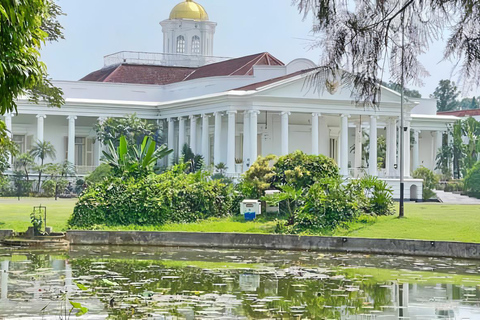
[186,283]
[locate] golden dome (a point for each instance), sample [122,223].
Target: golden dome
[188,10]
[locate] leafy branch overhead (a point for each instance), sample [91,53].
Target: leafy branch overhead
[25,26]
[364,38]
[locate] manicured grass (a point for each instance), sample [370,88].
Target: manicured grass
[429,221]
[15,214]
[231,224]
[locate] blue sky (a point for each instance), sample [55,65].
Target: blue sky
[95,28]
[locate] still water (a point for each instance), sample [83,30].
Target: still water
[186,283]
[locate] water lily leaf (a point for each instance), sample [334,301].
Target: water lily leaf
[109,283]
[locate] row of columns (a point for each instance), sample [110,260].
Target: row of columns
[41,133]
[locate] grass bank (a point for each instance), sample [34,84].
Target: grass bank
[429,221]
[15,214]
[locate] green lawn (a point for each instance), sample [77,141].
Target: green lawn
[15,214]
[432,221]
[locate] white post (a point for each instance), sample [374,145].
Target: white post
[285,133]
[193,134]
[71,139]
[40,126]
[415,150]
[450,143]
[315,133]
[8,124]
[206,139]
[253,135]
[358,147]
[372,161]
[231,142]
[247,161]
[181,135]
[217,138]
[171,139]
[344,146]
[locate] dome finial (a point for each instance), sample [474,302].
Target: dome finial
[189,9]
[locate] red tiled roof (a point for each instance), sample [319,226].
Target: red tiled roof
[150,74]
[255,86]
[235,67]
[461,113]
[140,74]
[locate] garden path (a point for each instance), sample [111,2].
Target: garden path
[453,198]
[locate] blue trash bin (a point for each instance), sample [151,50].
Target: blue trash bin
[249,216]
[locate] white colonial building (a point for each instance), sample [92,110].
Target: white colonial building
[231,110]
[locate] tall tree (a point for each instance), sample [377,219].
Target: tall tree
[446,94]
[25,26]
[42,150]
[364,38]
[8,148]
[131,127]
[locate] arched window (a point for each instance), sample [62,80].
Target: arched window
[180,44]
[195,45]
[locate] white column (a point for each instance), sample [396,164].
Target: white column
[358,147]
[438,146]
[372,161]
[315,133]
[450,143]
[206,139]
[253,135]
[344,145]
[217,138]
[40,126]
[406,153]
[8,124]
[247,161]
[231,142]
[181,135]
[71,139]
[392,147]
[415,160]
[99,145]
[193,134]
[285,133]
[171,139]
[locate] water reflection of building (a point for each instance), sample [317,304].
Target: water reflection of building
[422,302]
[249,282]
[27,287]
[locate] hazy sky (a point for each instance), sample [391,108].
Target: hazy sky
[95,28]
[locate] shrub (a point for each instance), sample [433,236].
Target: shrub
[327,206]
[257,178]
[472,180]
[302,171]
[172,196]
[430,181]
[50,186]
[99,174]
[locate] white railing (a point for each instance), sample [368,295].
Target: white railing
[84,170]
[160,59]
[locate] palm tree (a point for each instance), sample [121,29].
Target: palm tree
[42,150]
[24,162]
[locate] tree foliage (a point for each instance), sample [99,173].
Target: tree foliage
[8,148]
[25,26]
[131,127]
[446,94]
[364,38]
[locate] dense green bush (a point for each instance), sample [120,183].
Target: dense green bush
[49,187]
[302,170]
[430,181]
[172,196]
[472,180]
[258,178]
[99,174]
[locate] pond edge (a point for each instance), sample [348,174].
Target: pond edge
[277,242]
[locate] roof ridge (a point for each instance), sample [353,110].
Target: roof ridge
[258,57]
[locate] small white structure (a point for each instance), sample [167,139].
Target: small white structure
[253,207]
[228,109]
